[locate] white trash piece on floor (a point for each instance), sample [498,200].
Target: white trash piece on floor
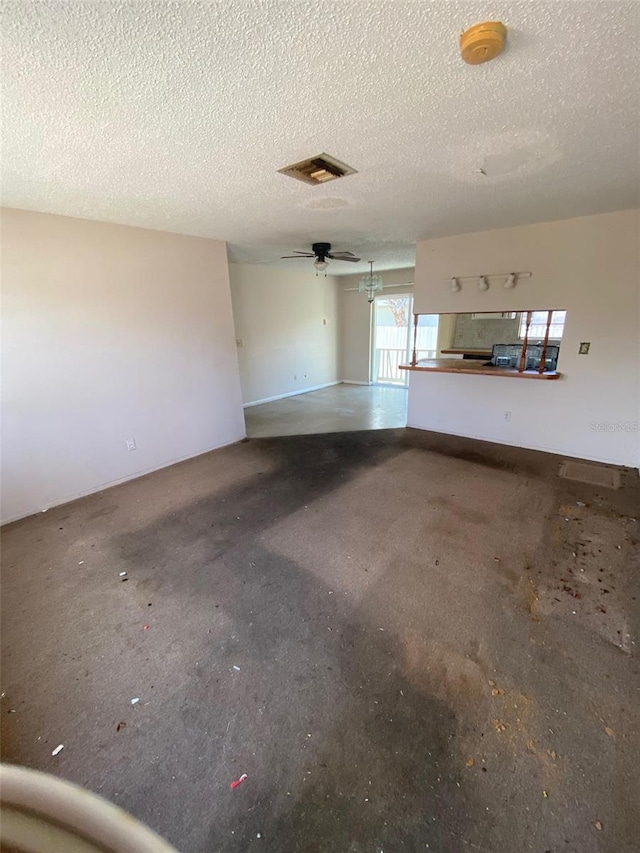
[135,700]
[58,749]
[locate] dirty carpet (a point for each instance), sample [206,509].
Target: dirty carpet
[407,642]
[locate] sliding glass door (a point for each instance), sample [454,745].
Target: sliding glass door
[392,339]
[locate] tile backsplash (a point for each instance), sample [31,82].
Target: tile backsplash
[483,334]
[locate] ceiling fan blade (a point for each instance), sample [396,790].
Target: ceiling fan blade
[340,258]
[299,255]
[344,253]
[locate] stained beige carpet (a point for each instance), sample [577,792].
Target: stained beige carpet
[407,643]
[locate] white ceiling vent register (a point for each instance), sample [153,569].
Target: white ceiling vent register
[318,170]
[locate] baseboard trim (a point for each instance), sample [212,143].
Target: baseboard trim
[290,394]
[111,483]
[354,382]
[557,451]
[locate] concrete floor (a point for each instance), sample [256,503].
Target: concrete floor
[407,641]
[339,408]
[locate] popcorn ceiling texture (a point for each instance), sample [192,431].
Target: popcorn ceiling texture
[176,116]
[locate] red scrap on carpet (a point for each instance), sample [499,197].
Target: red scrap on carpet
[237,782]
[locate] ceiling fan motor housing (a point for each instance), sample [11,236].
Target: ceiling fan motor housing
[321,250]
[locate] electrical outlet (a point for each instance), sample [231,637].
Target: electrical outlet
[295,378]
[584,348]
[507,416]
[324,322]
[239,342]
[131,444]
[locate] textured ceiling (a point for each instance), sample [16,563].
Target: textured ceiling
[177,115]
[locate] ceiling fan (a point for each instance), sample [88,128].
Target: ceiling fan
[322,251]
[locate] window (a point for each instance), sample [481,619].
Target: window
[538,327]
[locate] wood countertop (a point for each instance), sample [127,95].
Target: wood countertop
[455,365]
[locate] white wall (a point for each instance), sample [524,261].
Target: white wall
[287,321]
[109,333]
[590,266]
[355,321]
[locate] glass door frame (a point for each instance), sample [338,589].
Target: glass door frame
[372,340]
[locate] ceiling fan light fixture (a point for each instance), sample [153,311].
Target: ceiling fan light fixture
[320,252]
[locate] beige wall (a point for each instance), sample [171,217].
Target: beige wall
[355,322]
[110,333]
[588,266]
[286,323]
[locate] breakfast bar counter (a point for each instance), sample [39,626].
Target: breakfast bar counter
[453,365]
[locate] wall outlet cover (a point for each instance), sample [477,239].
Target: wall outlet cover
[584,348]
[131,444]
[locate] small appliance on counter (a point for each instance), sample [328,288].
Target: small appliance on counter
[508,356]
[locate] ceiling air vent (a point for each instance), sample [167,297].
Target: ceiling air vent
[318,170]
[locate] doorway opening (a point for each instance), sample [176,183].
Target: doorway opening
[392,338]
